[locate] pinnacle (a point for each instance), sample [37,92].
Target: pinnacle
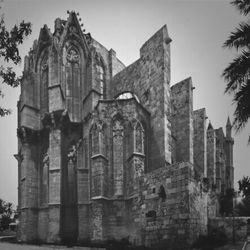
[228,122]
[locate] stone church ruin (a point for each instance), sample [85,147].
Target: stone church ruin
[107,151]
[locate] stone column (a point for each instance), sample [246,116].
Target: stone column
[83,192]
[54,185]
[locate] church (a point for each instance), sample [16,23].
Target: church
[112,152]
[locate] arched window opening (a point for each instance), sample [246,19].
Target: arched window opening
[162,193]
[127,95]
[72,82]
[139,138]
[44,84]
[72,73]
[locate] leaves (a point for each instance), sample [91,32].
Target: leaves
[242,5]
[237,73]
[244,186]
[9,42]
[242,111]
[6,212]
[240,38]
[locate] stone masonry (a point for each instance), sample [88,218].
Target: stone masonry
[113,152]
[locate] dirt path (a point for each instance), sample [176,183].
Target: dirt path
[12,246]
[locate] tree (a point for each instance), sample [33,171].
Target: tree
[6,212]
[243,208]
[237,74]
[9,42]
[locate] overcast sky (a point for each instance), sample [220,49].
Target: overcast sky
[197,28]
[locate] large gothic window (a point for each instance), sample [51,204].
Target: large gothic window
[44,84]
[118,134]
[139,138]
[72,82]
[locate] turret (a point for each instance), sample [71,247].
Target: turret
[229,155]
[228,128]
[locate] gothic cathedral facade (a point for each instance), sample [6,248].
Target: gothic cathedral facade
[112,152]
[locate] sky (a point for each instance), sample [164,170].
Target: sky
[197,28]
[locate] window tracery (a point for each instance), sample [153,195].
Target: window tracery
[44,84]
[72,80]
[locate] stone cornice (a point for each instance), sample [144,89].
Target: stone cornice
[28,106]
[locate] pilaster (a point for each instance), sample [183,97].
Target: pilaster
[28,183]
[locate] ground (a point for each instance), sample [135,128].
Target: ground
[12,246]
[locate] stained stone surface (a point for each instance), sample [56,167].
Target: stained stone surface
[112,152]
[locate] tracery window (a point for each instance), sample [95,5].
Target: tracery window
[72,82]
[139,138]
[44,84]
[72,73]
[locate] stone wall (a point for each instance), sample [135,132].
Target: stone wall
[94,166]
[171,206]
[211,156]
[149,79]
[200,143]
[182,120]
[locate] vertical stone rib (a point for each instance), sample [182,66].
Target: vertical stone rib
[54,185]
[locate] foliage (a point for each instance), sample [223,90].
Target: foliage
[244,186]
[6,212]
[226,202]
[237,74]
[243,208]
[9,52]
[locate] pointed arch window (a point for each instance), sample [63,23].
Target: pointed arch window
[44,84]
[139,138]
[72,73]
[72,82]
